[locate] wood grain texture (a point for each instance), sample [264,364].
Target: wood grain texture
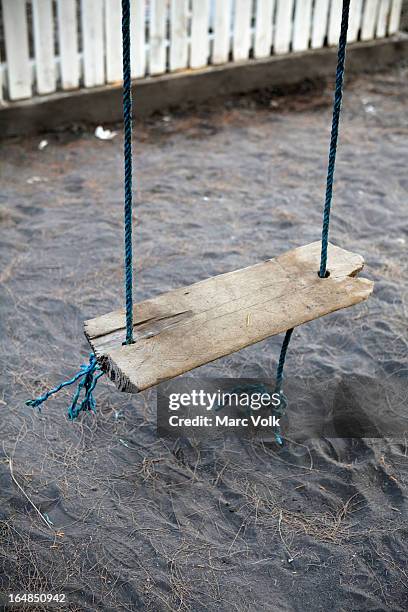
[188,327]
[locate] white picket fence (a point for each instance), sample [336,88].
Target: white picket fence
[51,45]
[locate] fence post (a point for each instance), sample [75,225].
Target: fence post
[283,32]
[18,61]
[113,37]
[334,22]
[222,31]
[93,42]
[319,23]
[302,25]
[68,43]
[369,19]
[178,35]
[382,20]
[199,33]
[356,12]
[395,16]
[137,29]
[157,40]
[43,30]
[242,30]
[264,28]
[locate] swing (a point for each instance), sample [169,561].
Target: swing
[163,337]
[181,330]
[188,327]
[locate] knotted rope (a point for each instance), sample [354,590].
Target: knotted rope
[338,97]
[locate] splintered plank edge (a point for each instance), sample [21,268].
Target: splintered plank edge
[180,330]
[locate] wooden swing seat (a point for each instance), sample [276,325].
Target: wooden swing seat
[180,330]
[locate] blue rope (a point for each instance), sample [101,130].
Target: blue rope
[87,373]
[279,382]
[90,374]
[127,122]
[281,362]
[338,96]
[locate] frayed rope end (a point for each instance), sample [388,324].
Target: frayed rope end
[280,412]
[88,376]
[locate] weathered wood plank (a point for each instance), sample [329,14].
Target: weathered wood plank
[188,327]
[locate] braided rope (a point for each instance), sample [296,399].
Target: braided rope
[338,96]
[279,383]
[282,359]
[127,123]
[87,373]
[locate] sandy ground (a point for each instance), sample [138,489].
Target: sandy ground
[137,522]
